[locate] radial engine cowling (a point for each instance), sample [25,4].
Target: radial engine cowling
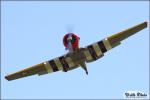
[74,39]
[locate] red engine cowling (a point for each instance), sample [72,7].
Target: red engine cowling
[74,41]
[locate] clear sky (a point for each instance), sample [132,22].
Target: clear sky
[32,32]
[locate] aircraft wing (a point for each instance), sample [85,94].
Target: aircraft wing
[118,37]
[60,63]
[97,50]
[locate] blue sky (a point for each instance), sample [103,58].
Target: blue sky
[32,32]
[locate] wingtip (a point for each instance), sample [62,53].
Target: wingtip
[6,77]
[146,23]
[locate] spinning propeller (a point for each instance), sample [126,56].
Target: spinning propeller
[70,40]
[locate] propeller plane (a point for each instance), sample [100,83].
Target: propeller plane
[77,57]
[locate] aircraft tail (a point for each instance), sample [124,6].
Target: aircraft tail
[83,65]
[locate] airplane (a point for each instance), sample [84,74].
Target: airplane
[77,57]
